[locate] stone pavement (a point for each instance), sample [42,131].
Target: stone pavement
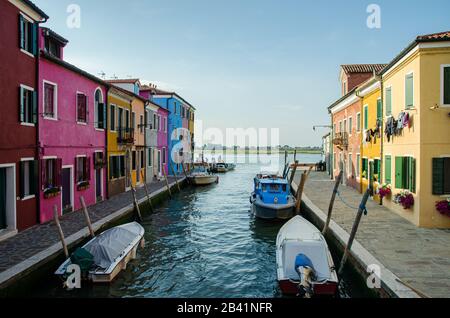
[30,242]
[418,256]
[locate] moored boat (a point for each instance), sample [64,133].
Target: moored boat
[110,252]
[201,175]
[224,167]
[271,198]
[304,263]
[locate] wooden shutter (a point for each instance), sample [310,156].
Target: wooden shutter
[34,35]
[22,177]
[43,174]
[87,169]
[379,109]
[34,115]
[366,117]
[387,169]
[21,105]
[34,176]
[412,174]
[58,172]
[399,172]
[446,85]
[438,176]
[388,101]
[446,176]
[409,91]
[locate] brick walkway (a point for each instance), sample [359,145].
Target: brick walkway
[40,237]
[420,257]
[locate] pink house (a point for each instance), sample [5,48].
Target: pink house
[72,138]
[162,155]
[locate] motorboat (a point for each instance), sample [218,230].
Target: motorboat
[107,254]
[304,263]
[201,175]
[272,198]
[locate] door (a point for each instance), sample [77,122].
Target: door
[66,190]
[98,185]
[128,170]
[370,178]
[3,224]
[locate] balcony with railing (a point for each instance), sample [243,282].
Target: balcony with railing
[341,140]
[125,136]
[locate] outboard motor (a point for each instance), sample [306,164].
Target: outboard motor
[307,274]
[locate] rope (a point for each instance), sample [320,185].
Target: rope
[362,207]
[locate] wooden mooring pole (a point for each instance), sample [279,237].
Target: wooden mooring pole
[300,189]
[175,175]
[185,174]
[135,201]
[86,216]
[60,231]
[333,198]
[361,210]
[167,182]
[293,173]
[147,193]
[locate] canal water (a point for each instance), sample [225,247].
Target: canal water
[202,243]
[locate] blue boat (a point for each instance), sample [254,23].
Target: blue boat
[272,198]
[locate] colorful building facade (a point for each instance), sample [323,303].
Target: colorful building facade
[19,165]
[120,140]
[416,147]
[72,124]
[371,137]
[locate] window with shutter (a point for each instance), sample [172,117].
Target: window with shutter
[387,169]
[81,108]
[49,100]
[28,105]
[28,178]
[388,101]
[112,121]
[412,174]
[409,91]
[446,85]
[441,176]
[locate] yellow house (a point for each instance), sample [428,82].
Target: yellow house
[120,140]
[371,138]
[416,146]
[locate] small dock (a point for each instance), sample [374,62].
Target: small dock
[414,262]
[27,252]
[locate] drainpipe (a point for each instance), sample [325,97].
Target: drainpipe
[361,151]
[38,146]
[106,141]
[381,176]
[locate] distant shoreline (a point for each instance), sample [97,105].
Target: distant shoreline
[261,152]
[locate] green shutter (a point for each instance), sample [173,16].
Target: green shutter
[409,91]
[35,37]
[366,117]
[21,105]
[412,174]
[21,32]
[388,101]
[399,172]
[34,176]
[438,176]
[379,110]
[34,118]
[21,179]
[446,85]
[387,169]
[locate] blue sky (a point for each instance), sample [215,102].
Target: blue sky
[243,63]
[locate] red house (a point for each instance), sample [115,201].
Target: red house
[18,115]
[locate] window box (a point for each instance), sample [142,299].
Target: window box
[83,185]
[405,199]
[52,192]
